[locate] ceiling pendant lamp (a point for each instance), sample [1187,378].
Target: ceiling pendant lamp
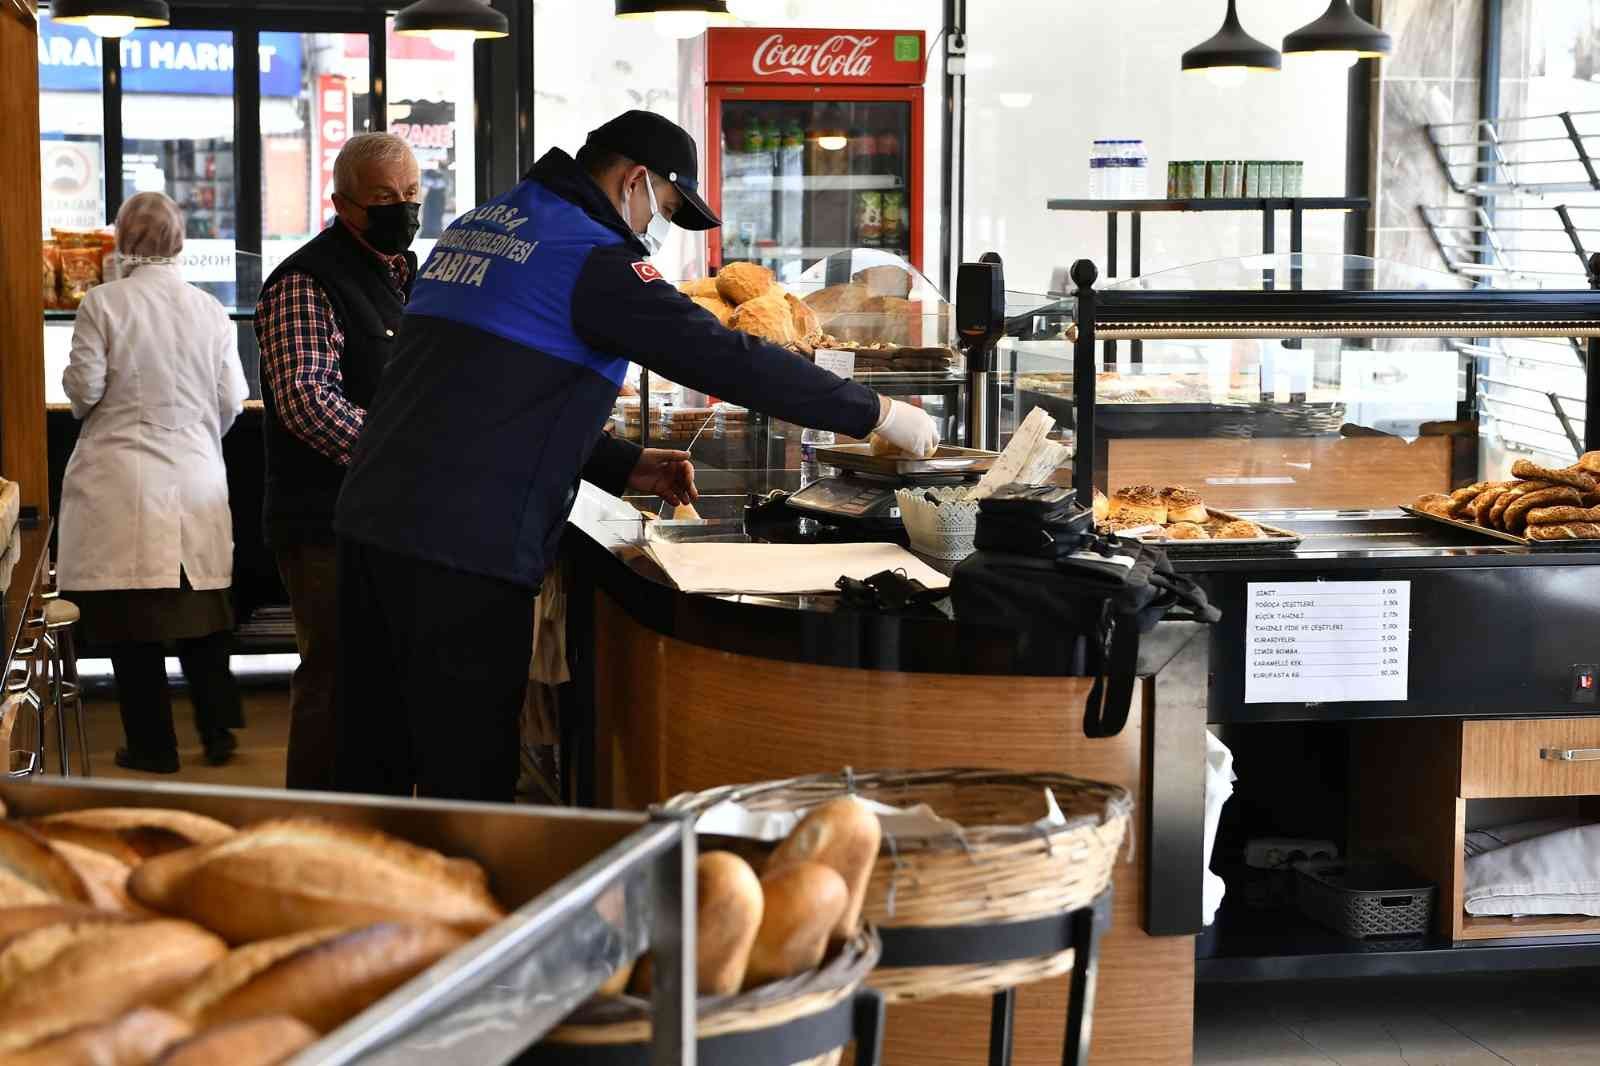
[678,19]
[111,18]
[1339,38]
[1231,54]
[449,23]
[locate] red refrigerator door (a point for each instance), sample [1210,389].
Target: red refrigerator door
[800,172]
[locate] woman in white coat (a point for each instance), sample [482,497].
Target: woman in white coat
[146,548]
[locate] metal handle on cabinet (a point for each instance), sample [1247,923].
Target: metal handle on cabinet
[1570,754]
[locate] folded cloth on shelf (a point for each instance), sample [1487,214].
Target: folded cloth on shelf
[1483,841]
[1557,873]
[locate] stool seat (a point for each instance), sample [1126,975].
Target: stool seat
[59,613]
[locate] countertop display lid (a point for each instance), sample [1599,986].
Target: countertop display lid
[768,569]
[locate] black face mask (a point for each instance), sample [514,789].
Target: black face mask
[391,227]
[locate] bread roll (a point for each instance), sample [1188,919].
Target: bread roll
[296,874]
[803,905]
[1184,505]
[767,317]
[1239,530]
[105,877]
[323,978]
[145,831]
[16,920]
[1102,506]
[685,512]
[132,1039]
[878,444]
[728,916]
[1187,531]
[61,976]
[699,287]
[741,282]
[807,327]
[264,1041]
[844,835]
[717,306]
[31,871]
[1139,504]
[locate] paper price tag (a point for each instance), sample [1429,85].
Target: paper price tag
[840,362]
[1327,641]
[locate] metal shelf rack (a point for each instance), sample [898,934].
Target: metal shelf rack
[1534,155]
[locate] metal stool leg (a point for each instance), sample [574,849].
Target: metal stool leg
[869,1027]
[1002,1013]
[1087,925]
[58,702]
[73,690]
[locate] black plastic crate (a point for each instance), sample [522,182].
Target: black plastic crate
[1364,900]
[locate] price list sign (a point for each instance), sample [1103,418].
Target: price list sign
[1327,641]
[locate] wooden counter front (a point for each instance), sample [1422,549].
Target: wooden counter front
[675,717]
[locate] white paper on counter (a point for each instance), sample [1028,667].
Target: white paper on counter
[731,819]
[775,569]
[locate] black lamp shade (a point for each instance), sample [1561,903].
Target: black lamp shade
[144,13]
[1340,29]
[647,8]
[451,16]
[1232,47]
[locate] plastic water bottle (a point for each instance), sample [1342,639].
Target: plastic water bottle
[1136,171]
[1099,160]
[810,469]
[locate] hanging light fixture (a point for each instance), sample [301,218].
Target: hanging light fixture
[1338,39]
[111,18]
[679,19]
[1229,56]
[450,23]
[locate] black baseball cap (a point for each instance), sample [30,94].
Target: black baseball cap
[659,143]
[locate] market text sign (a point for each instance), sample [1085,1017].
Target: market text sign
[180,62]
[860,57]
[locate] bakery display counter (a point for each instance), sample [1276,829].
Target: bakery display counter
[680,693]
[585,891]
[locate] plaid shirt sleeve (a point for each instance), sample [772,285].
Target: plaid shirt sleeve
[301,345]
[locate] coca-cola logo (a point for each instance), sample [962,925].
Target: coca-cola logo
[843,55]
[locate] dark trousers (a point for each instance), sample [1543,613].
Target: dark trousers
[310,573]
[146,702]
[433,666]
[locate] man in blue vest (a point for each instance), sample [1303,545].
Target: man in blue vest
[512,351]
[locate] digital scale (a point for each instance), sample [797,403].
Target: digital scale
[863,492]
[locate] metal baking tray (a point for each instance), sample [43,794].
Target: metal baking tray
[949,459]
[1500,534]
[1277,539]
[502,991]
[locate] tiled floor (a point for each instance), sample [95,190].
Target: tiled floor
[1534,1019]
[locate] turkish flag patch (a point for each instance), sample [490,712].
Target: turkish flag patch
[647,272]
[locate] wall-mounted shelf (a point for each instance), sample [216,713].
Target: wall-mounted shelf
[1533,155]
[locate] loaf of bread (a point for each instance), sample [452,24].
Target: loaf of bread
[699,287]
[264,1041]
[807,327]
[766,316]
[838,300]
[31,871]
[321,978]
[842,834]
[803,904]
[729,906]
[132,834]
[741,282]
[1184,505]
[717,306]
[136,1038]
[62,976]
[105,878]
[292,875]
[15,920]
[1139,504]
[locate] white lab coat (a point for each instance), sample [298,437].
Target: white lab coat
[155,377]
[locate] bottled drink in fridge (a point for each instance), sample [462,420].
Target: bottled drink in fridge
[1136,171]
[869,218]
[892,231]
[1099,156]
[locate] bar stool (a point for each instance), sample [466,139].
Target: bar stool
[62,673]
[21,689]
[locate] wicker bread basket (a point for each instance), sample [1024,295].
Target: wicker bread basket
[619,1021]
[1001,866]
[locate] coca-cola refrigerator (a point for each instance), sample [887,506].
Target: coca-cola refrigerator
[815,144]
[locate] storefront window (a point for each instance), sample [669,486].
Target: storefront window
[308,112]
[430,107]
[71,127]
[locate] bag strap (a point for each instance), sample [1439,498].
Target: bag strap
[1186,593]
[1107,709]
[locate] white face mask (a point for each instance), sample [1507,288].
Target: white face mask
[656,231]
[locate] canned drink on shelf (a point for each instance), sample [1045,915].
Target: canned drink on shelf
[1294,179]
[1252,180]
[1197,179]
[1274,179]
[869,218]
[892,230]
[1233,182]
[1216,178]
[1174,170]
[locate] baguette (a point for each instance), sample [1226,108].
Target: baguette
[1515,518]
[263,1041]
[322,978]
[105,878]
[17,920]
[803,904]
[1566,531]
[131,1039]
[293,875]
[729,905]
[843,834]
[133,834]
[31,871]
[61,976]
[1569,476]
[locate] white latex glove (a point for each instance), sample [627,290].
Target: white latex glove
[909,429]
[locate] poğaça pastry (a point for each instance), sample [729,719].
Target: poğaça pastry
[877,444]
[1184,505]
[1142,504]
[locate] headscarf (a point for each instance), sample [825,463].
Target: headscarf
[149,230]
